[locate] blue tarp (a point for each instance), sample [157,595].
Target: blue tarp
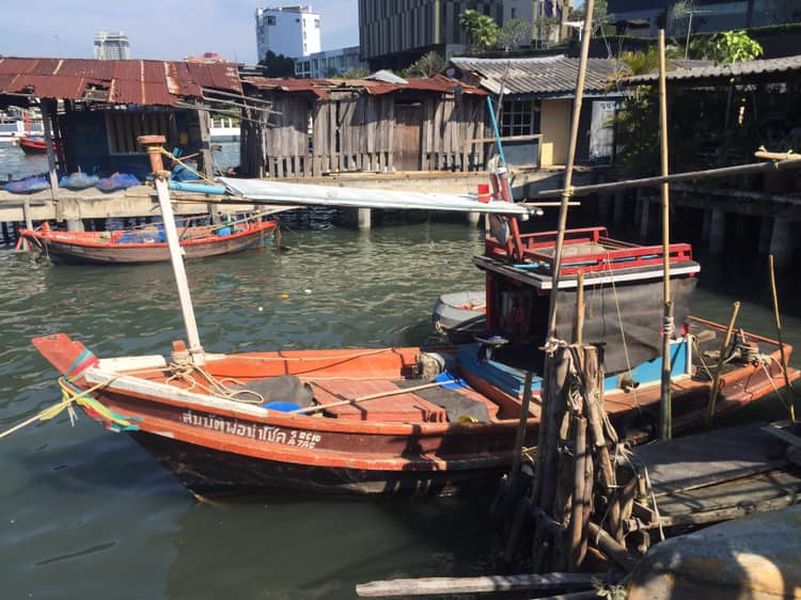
[78,181]
[118,181]
[27,186]
[136,237]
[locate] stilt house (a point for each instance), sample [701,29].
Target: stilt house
[95,109]
[538,98]
[321,126]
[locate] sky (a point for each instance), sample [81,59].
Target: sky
[156,29]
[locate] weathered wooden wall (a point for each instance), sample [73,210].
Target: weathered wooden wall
[355,131]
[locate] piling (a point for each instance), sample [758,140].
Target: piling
[717,231]
[781,242]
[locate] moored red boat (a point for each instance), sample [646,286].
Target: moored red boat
[410,442]
[145,245]
[406,420]
[33,145]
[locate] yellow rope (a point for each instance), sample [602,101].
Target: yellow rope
[68,397]
[186,166]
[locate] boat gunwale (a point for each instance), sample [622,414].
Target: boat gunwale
[231,408]
[54,238]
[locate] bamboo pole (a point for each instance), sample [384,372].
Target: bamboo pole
[777,318]
[710,411]
[580,309]
[521,424]
[576,532]
[776,165]
[154,144]
[666,409]
[567,190]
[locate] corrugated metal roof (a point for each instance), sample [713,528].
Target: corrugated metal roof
[143,82]
[545,75]
[322,87]
[741,69]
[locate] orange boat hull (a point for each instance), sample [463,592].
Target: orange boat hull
[218,447]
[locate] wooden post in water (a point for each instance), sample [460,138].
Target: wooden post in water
[47,110]
[154,144]
[204,116]
[552,542]
[666,409]
[777,317]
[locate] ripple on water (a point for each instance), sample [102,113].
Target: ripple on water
[87,511]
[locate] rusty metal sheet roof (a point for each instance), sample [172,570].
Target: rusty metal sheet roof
[322,87]
[787,64]
[545,75]
[142,82]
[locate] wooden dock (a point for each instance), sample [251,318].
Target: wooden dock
[721,475]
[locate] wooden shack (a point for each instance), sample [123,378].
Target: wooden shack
[95,109]
[321,126]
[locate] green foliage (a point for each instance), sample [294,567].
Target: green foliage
[278,65]
[355,73]
[728,47]
[600,13]
[427,65]
[544,26]
[481,29]
[637,132]
[514,34]
[642,62]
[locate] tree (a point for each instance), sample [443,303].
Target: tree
[544,27]
[278,65]
[427,65]
[481,29]
[728,47]
[514,33]
[355,73]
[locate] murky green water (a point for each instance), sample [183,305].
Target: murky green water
[87,514]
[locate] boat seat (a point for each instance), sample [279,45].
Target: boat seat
[460,402]
[408,407]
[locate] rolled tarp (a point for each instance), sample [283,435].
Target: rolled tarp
[259,190]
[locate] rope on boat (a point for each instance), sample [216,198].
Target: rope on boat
[183,369]
[72,394]
[622,331]
[623,450]
[174,158]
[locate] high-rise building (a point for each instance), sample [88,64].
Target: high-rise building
[292,31]
[329,63]
[112,45]
[394,34]
[647,16]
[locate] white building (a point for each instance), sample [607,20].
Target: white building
[329,63]
[292,31]
[547,17]
[112,45]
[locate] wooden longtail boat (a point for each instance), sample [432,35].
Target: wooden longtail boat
[416,442]
[416,435]
[145,245]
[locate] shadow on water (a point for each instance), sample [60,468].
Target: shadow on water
[309,548]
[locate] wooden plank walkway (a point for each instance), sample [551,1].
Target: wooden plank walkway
[722,474]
